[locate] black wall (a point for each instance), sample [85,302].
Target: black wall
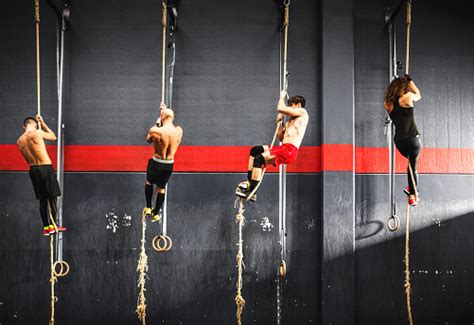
[226,86]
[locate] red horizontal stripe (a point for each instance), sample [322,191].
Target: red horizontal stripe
[337,157]
[431,161]
[135,158]
[311,159]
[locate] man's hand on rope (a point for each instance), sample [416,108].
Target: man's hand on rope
[283,94]
[39,118]
[162,106]
[280,117]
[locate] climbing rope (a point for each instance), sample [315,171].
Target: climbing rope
[52,279]
[54,273]
[407,63]
[164,16]
[37,23]
[410,170]
[142,268]
[239,300]
[407,265]
[286,18]
[286,22]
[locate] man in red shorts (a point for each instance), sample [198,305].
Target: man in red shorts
[291,135]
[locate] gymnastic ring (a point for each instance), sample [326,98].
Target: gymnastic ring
[165,247]
[63,270]
[157,243]
[282,268]
[393,223]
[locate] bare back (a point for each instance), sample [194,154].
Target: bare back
[166,140]
[33,148]
[295,130]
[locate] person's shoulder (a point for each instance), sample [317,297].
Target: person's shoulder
[34,135]
[305,112]
[154,129]
[20,140]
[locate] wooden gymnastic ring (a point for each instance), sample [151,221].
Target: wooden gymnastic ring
[63,270]
[393,223]
[165,247]
[282,268]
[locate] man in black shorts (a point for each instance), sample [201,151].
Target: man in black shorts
[32,147]
[165,137]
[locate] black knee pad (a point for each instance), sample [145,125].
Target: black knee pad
[255,151]
[258,161]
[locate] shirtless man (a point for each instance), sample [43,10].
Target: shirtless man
[291,136]
[32,147]
[166,139]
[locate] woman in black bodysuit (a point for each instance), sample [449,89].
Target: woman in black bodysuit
[399,99]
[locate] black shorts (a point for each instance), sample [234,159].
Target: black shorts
[44,181]
[158,173]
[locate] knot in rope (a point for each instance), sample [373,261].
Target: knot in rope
[408,12]
[37,11]
[164,15]
[142,268]
[240,302]
[286,16]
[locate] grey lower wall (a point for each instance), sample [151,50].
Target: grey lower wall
[192,284]
[440,243]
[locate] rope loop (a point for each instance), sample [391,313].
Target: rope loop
[63,268]
[162,243]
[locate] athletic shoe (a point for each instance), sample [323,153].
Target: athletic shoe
[46,231]
[147,212]
[245,193]
[406,190]
[156,216]
[239,191]
[51,230]
[61,229]
[413,200]
[245,184]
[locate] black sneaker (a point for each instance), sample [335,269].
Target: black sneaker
[156,216]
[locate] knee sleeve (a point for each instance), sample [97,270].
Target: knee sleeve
[258,161]
[255,151]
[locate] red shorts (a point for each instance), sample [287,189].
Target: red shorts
[284,154]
